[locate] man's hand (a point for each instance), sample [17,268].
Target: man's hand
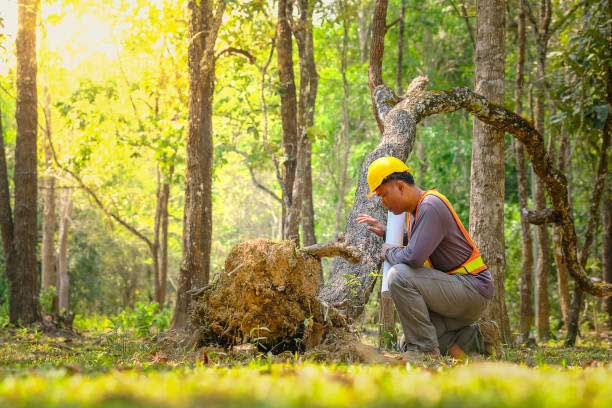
[385,248]
[374,225]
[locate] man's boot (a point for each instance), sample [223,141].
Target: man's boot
[491,337]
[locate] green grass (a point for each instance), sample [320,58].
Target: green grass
[119,369]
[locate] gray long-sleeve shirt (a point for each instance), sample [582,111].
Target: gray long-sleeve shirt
[436,235]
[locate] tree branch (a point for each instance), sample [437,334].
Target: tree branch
[97,200]
[254,178]
[391,24]
[539,217]
[561,21]
[463,13]
[237,51]
[332,249]
[531,17]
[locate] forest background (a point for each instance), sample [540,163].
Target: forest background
[113,96]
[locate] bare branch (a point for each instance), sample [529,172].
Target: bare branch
[391,24]
[332,249]
[256,182]
[97,200]
[539,217]
[237,51]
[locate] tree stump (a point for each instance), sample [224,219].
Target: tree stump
[267,296]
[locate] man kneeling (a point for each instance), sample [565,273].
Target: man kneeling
[439,282]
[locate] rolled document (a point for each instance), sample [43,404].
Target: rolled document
[394,236]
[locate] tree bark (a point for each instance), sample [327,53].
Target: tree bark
[288,99]
[350,286]
[526,288]
[22,272]
[487,175]
[63,279]
[204,22]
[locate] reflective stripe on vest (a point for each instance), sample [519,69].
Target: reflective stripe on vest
[474,264]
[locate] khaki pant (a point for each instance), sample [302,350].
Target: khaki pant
[436,310]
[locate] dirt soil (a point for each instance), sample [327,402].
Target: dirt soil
[265,296]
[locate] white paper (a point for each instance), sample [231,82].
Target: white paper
[394,236]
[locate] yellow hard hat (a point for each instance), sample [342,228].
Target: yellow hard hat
[381,168]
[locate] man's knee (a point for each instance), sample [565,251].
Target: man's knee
[400,275]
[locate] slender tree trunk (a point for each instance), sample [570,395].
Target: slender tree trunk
[308,93]
[377,49]
[204,22]
[562,272]
[22,269]
[487,175]
[342,145]
[6,213]
[63,279]
[526,314]
[49,278]
[288,99]
[400,49]
[156,238]
[606,262]
[163,242]
[543,259]
[363,29]
[421,154]
[591,230]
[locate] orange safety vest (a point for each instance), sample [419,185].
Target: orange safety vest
[474,264]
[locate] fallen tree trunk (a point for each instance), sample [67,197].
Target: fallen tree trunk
[350,285]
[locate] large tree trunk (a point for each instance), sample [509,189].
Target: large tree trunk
[526,311]
[487,175]
[22,270]
[349,287]
[308,93]
[204,22]
[63,280]
[284,44]
[49,278]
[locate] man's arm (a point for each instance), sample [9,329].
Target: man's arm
[427,233]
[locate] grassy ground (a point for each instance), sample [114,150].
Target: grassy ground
[117,369]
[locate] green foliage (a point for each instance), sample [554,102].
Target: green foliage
[145,318]
[46,299]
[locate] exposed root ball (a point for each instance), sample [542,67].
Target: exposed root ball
[265,296]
